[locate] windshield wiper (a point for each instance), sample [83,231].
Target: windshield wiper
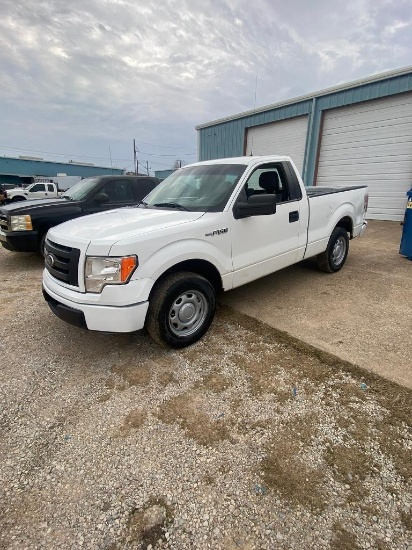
[171,205]
[142,202]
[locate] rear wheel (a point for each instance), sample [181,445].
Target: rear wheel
[181,309]
[335,255]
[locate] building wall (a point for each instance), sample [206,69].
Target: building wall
[25,167]
[227,137]
[163,174]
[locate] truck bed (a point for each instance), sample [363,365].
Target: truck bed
[320,191]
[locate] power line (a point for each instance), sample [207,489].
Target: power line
[90,157]
[173,156]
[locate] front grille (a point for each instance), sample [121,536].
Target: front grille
[3,222]
[62,262]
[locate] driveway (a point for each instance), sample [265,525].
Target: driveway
[361,314]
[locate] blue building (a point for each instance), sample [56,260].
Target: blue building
[24,169]
[353,134]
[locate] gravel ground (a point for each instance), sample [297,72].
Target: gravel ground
[249,439]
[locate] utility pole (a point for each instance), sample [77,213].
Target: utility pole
[147,167]
[135,161]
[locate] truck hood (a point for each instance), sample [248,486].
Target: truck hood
[111,226]
[25,207]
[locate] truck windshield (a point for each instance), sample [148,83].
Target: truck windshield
[204,188]
[80,189]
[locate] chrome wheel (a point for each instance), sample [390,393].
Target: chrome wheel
[339,251]
[188,313]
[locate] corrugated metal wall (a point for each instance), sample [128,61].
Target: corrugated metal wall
[227,139]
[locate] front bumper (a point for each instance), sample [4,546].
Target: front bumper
[127,318]
[20,241]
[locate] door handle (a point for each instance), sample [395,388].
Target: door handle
[293,216]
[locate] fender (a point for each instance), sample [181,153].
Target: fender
[174,253]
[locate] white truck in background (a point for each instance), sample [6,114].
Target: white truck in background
[209,227]
[43,188]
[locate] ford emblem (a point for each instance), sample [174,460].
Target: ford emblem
[49,260]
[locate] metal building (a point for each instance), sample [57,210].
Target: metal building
[163,174]
[355,133]
[23,169]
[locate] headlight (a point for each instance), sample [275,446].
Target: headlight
[21,223]
[100,272]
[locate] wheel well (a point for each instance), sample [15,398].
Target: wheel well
[201,267]
[44,228]
[346,223]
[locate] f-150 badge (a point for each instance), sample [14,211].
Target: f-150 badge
[217,232]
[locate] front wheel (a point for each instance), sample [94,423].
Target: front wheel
[181,309]
[18,199]
[335,255]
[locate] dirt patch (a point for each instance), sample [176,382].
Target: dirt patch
[133,421]
[216,382]
[166,377]
[286,470]
[189,410]
[134,375]
[395,448]
[104,397]
[342,539]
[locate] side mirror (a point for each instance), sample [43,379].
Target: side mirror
[101,198]
[256,205]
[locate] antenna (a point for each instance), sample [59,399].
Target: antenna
[111,163]
[254,112]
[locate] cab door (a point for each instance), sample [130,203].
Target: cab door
[264,244]
[38,191]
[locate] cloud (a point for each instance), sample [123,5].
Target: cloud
[85,75]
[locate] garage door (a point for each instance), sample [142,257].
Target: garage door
[287,137]
[370,143]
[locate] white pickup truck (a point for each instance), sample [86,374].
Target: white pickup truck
[37,190]
[210,226]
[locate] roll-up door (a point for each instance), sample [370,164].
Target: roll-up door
[370,143]
[286,137]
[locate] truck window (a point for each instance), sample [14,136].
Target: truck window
[50,188]
[118,191]
[142,187]
[204,188]
[268,179]
[38,187]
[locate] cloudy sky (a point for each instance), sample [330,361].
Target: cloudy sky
[81,78]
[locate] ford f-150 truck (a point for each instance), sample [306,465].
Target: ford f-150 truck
[23,226]
[210,226]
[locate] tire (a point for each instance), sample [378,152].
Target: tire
[176,296]
[41,244]
[334,257]
[17,199]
